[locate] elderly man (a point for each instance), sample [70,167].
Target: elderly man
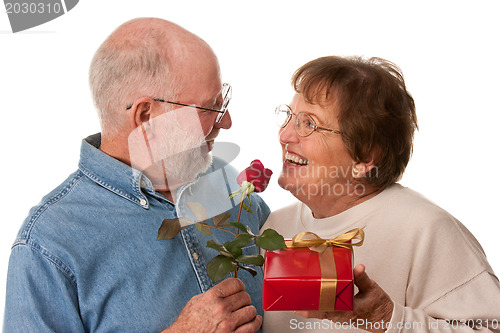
[86,258]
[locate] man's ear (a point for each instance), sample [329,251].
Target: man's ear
[141,112]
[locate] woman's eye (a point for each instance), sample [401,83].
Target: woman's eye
[309,124]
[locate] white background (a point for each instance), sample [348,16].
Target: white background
[447,50]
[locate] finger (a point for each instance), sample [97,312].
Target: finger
[360,268]
[361,279]
[336,316]
[312,314]
[307,314]
[228,287]
[237,301]
[244,315]
[250,327]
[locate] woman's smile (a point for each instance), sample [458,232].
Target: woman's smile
[296,160]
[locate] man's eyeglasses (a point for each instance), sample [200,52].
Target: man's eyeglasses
[227,92]
[304,123]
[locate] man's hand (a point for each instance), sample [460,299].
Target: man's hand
[225,307]
[371,305]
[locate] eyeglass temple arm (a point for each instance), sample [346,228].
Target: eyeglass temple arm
[181,104]
[328,129]
[191,106]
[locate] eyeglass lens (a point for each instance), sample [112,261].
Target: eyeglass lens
[283,114]
[304,123]
[227,92]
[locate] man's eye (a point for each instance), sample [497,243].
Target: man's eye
[204,113]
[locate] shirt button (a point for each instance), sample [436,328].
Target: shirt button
[195,256]
[143,183]
[143,202]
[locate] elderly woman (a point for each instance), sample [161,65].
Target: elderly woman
[346,139]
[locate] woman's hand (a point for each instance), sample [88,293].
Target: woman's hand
[372,306]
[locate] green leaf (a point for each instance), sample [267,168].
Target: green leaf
[234,246]
[239,226]
[234,250]
[198,210]
[169,229]
[249,200]
[203,228]
[219,267]
[216,246]
[249,269]
[270,240]
[254,259]
[247,208]
[240,241]
[221,218]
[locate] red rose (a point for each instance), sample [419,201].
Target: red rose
[255,174]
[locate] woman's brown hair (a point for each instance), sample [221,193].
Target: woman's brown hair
[376,113]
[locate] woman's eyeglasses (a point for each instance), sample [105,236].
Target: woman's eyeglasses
[304,123]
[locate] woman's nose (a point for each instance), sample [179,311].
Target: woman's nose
[288,134]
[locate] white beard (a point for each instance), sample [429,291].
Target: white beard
[173,151]
[190,160]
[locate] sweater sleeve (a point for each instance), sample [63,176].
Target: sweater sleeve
[451,287]
[471,307]
[41,297]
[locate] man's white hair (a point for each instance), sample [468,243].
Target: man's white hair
[131,63]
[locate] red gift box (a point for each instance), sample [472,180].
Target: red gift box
[298,278]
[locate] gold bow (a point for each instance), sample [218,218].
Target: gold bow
[328,287]
[318,244]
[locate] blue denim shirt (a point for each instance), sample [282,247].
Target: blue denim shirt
[86,258]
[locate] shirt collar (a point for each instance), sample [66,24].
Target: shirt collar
[112,174]
[132,184]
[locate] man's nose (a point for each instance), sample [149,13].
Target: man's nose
[225,122]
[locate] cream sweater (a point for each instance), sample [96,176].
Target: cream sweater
[428,262]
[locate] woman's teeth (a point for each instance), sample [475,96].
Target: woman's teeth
[295,159]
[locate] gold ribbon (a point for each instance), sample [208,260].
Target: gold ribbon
[328,288]
[318,244]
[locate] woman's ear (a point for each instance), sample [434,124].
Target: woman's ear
[360,169]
